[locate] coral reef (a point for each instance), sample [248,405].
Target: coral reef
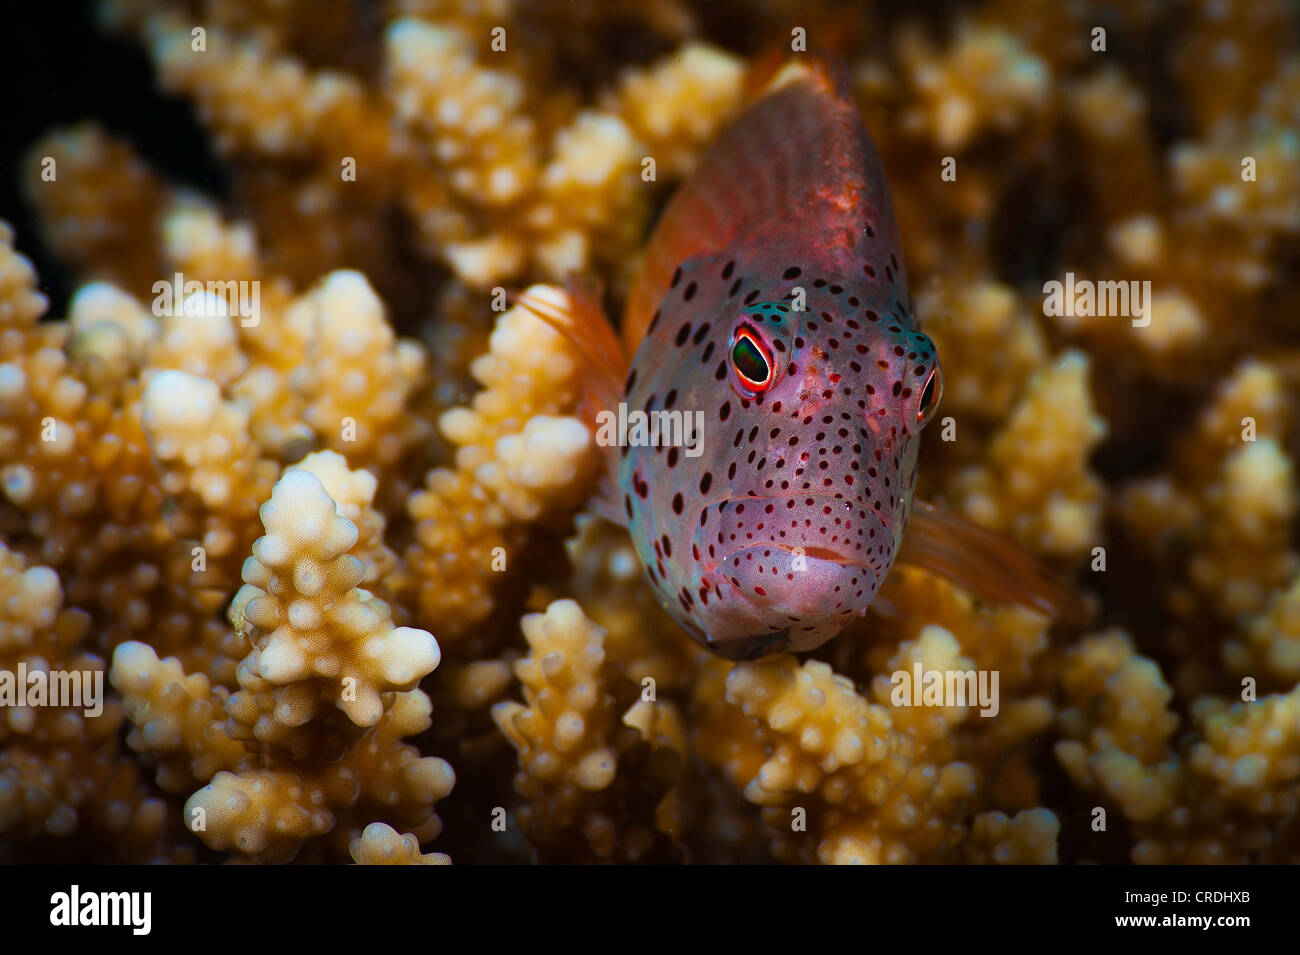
[326,543]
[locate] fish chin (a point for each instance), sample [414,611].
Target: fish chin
[788,599]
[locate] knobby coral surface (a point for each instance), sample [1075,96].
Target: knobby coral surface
[319,533]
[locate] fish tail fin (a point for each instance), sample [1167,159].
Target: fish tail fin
[986,563]
[576,314]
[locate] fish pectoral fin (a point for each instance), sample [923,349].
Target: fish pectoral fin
[607,502]
[882,606]
[985,562]
[575,313]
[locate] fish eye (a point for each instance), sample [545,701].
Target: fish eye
[931,395]
[751,361]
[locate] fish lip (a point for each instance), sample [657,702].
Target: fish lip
[828,554]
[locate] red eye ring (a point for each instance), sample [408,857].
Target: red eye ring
[931,395]
[751,360]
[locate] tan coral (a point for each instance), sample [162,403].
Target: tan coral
[841,783]
[305,617]
[654,103]
[985,80]
[588,775]
[60,769]
[357,375]
[179,719]
[260,101]
[989,345]
[1028,838]
[1248,511]
[210,466]
[1038,486]
[281,770]
[1214,795]
[466,516]
[99,205]
[353,492]
[380,844]
[397,145]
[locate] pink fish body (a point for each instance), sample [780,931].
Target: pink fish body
[782,327]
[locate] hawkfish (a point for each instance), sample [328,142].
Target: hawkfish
[771,312]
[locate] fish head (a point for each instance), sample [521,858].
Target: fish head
[780,527]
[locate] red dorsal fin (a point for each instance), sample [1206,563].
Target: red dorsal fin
[577,315]
[766,169]
[986,563]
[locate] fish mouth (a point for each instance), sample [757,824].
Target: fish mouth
[790,574]
[813,594]
[799,591]
[752,648]
[815,553]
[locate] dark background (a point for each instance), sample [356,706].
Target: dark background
[58,67]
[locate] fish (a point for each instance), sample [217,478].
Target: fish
[771,314]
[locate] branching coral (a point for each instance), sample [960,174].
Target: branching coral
[1221,793]
[60,770]
[281,768]
[379,844]
[465,515]
[1036,484]
[399,450]
[840,772]
[591,772]
[314,634]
